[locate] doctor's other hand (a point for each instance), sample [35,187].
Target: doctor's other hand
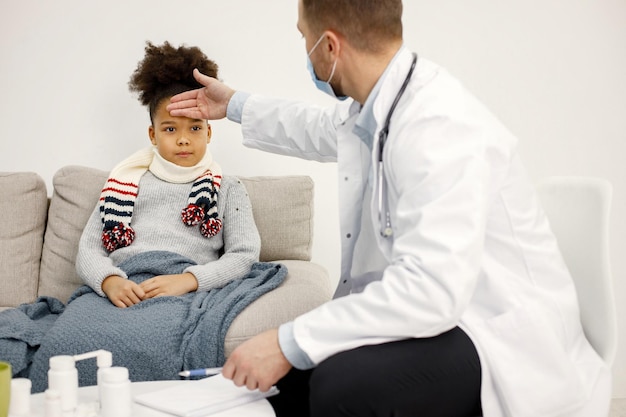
[257,363]
[207,103]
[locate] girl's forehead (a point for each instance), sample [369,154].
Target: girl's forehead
[162,114]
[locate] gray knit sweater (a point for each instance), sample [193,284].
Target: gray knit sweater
[158,226]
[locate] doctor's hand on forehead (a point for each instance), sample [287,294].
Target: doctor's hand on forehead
[207,103]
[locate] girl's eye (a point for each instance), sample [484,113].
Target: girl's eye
[169,129]
[196,128]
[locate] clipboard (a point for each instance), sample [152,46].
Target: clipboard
[201,398]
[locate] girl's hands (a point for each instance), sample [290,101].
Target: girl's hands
[125,293]
[121,291]
[162,285]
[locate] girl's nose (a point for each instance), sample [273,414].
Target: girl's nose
[182,140]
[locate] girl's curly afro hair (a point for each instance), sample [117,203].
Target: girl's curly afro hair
[166,71]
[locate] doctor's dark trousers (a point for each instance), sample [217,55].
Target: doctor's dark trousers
[438,376]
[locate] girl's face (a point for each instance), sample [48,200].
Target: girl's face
[179,140]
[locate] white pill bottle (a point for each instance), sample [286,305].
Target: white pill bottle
[63,378]
[116,399]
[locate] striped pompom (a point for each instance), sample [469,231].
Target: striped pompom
[192,215]
[118,237]
[211,227]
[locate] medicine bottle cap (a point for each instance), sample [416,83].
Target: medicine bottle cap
[20,397]
[62,363]
[22,384]
[104,359]
[115,374]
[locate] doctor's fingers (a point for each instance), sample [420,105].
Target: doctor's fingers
[177,100]
[245,378]
[230,371]
[251,378]
[217,93]
[188,108]
[203,79]
[236,370]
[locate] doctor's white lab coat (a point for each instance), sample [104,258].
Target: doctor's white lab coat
[471,246]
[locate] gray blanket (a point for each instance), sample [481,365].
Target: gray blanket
[154,339]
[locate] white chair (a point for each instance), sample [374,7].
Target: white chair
[578,212]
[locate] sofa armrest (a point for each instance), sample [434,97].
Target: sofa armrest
[306,286]
[23,208]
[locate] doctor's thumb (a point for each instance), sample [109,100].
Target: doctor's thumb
[205,80]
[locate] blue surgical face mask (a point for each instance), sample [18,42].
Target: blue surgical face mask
[323,86]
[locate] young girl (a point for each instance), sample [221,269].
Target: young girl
[171,242]
[171,197]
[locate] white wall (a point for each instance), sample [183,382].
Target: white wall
[553,70]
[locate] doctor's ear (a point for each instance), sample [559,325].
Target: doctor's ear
[333,42]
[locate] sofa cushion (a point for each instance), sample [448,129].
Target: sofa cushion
[23,205]
[76,192]
[283,213]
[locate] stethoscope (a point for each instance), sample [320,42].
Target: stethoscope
[383,205]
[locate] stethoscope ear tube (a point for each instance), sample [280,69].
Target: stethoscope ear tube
[383,203]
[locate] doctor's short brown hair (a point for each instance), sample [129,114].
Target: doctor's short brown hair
[366,24]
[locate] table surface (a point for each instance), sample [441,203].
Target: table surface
[88,403]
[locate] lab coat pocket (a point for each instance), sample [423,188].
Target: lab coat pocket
[531,369]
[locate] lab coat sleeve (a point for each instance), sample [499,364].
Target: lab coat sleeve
[296,356]
[438,172]
[290,128]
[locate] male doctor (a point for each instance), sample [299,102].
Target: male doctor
[453,298]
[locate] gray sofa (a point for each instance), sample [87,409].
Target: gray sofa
[39,240]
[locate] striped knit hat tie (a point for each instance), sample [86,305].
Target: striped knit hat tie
[118,196]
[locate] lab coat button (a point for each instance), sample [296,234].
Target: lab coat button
[349,235]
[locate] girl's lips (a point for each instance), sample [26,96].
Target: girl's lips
[183,154]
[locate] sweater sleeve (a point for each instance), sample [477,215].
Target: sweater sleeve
[242,243]
[93,264]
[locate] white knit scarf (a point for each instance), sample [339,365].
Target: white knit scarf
[118,196]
